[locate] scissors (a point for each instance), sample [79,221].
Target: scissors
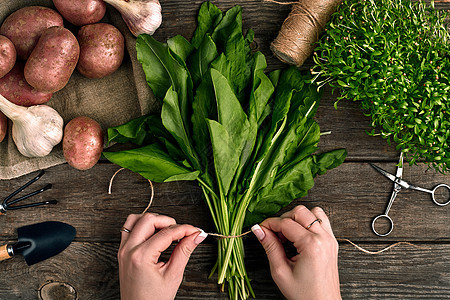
[398,185]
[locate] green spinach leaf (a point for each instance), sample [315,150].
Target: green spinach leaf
[292,184]
[153,163]
[172,120]
[201,59]
[208,18]
[181,47]
[163,71]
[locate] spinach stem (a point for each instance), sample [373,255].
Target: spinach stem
[207,187]
[211,209]
[240,216]
[238,222]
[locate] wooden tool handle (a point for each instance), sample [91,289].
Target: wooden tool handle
[4,254]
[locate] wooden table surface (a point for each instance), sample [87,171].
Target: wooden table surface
[351,194]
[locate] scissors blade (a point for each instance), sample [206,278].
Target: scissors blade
[390,176]
[399,173]
[399,183]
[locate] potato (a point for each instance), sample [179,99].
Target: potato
[50,65]
[15,88]
[3,126]
[81,12]
[7,55]
[24,27]
[101,50]
[82,143]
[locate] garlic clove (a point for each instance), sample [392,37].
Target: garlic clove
[141,16]
[36,129]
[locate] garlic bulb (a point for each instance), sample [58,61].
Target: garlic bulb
[141,16]
[36,129]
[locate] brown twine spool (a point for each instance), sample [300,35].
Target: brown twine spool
[301,29]
[222,236]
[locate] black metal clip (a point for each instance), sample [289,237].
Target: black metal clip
[7,202]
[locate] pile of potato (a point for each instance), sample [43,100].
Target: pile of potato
[38,56]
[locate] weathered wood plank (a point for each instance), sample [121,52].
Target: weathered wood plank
[348,127]
[84,201]
[401,273]
[352,194]
[91,268]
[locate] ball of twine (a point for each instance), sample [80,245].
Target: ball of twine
[301,29]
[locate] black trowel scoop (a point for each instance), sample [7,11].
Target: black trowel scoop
[39,241]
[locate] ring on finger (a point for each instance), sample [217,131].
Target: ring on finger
[316,220]
[124,229]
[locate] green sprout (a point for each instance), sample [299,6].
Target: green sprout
[393,57]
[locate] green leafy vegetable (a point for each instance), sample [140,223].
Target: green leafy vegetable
[393,57]
[248,138]
[152,161]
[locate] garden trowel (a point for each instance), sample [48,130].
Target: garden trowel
[39,241]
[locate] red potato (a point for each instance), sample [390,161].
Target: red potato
[24,27]
[7,55]
[81,12]
[82,143]
[50,65]
[101,50]
[3,126]
[16,89]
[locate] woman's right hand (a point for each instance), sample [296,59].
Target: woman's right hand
[313,272]
[142,274]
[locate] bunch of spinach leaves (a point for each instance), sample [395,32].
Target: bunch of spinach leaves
[248,138]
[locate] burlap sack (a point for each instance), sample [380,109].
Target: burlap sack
[111,101]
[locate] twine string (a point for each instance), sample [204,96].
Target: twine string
[152,195]
[223,236]
[281,3]
[382,250]
[111,180]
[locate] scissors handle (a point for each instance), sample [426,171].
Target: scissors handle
[433,194]
[397,189]
[391,225]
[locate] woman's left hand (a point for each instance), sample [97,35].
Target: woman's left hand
[142,275]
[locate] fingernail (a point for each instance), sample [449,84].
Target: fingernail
[201,237]
[256,229]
